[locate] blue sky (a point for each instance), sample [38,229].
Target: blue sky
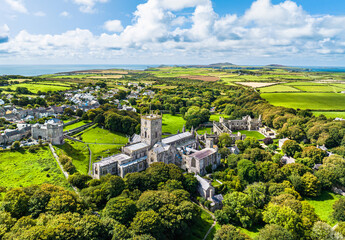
[299,32]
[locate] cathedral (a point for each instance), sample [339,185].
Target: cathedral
[182,149]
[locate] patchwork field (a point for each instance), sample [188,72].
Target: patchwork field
[203,78]
[24,169]
[312,101]
[325,88]
[255,84]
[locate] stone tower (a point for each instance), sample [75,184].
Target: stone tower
[151,129]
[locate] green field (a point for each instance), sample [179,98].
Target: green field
[323,206]
[75,125]
[313,101]
[330,114]
[103,136]
[35,87]
[325,88]
[25,169]
[215,117]
[100,150]
[205,130]
[171,124]
[278,88]
[254,134]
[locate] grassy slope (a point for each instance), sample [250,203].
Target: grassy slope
[75,125]
[330,114]
[200,228]
[323,206]
[25,169]
[99,135]
[314,101]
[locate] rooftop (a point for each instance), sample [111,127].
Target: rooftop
[177,137]
[205,184]
[137,146]
[203,153]
[112,159]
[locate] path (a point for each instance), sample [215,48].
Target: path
[214,224]
[61,167]
[90,160]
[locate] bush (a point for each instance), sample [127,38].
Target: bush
[15,146]
[69,167]
[64,159]
[33,149]
[79,180]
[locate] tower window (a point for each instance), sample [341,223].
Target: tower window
[193,162]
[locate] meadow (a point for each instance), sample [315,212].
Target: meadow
[22,168]
[330,114]
[254,134]
[75,125]
[279,88]
[97,135]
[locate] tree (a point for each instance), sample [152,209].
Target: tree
[196,116]
[79,113]
[322,231]
[339,210]
[311,185]
[68,112]
[238,208]
[16,202]
[247,172]
[290,147]
[147,222]
[15,146]
[274,232]
[268,141]
[224,140]
[229,232]
[251,142]
[121,209]
[79,180]
[6,222]
[257,194]
[316,154]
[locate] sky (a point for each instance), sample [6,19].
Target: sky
[244,32]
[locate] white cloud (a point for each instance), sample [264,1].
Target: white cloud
[64,14]
[40,14]
[113,26]
[265,31]
[17,5]
[87,6]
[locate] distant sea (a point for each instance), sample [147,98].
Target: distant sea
[35,70]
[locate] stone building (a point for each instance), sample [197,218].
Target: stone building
[228,126]
[207,191]
[50,132]
[11,135]
[149,147]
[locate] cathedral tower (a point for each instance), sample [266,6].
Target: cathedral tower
[151,129]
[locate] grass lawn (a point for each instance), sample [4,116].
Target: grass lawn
[207,130]
[75,125]
[35,87]
[215,183]
[215,117]
[330,114]
[21,169]
[103,136]
[251,232]
[171,124]
[323,205]
[254,134]
[200,228]
[78,152]
[313,101]
[324,88]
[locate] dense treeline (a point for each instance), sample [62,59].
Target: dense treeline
[111,208]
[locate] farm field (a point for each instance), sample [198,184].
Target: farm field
[256,84]
[22,168]
[323,206]
[312,101]
[279,88]
[253,134]
[325,88]
[37,87]
[330,114]
[171,124]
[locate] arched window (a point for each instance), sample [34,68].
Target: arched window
[145,134]
[156,134]
[193,162]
